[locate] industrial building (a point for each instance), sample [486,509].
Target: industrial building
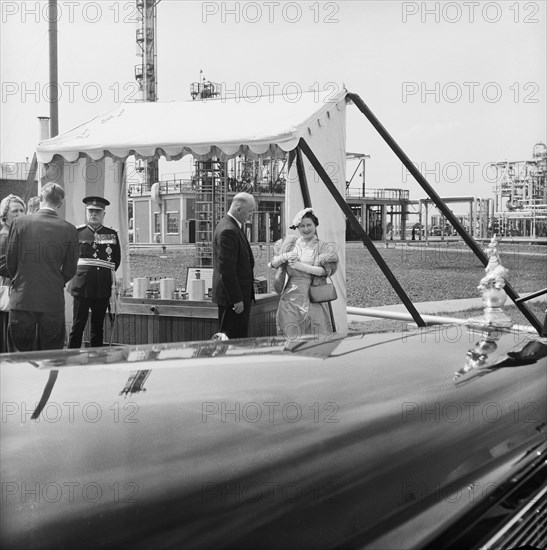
[179,211]
[521,195]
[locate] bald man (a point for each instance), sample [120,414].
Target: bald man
[233,263]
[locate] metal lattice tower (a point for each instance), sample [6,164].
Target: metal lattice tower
[211,185]
[145,72]
[211,197]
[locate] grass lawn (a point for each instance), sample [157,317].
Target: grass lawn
[448,271]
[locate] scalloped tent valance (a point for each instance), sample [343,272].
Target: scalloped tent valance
[223,128]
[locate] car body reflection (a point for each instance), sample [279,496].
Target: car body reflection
[365,441]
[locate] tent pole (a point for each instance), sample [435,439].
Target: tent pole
[292,156]
[307,204]
[440,204]
[302,179]
[361,232]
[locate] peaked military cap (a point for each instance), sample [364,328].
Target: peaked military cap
[96,202]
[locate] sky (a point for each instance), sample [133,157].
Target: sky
[458,85]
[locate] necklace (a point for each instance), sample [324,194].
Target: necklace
[309,243]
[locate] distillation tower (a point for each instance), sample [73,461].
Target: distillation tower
[520,207]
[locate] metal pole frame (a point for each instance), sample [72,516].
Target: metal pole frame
[305,190]
[479,253]
[353,175]
[53,76]
[302,145]
[303,179]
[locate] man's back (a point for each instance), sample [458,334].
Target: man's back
[42,257]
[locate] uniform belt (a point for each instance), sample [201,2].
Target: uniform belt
[95,262]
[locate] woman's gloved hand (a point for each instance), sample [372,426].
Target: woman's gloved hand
[290,256]
[316,270]
[278,261]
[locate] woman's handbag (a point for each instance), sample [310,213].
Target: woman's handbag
[322,292]
[279,278]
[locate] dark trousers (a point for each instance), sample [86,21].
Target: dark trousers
[36,330]
[4,316]
[232,324]
[80,310]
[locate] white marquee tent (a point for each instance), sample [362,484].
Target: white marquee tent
[89,159]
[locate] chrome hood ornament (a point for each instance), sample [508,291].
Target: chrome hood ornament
[491,287]
[481,356]
[493,318]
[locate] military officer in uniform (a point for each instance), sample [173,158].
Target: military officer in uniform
[91,287]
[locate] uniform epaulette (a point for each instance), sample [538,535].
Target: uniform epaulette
[81,226]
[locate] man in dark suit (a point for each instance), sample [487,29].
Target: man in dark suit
[100,256]
[233,263]
[42,257]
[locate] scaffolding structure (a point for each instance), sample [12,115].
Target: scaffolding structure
[476,221]
[521,195]
[211,197]
[204,89]
[210,182]
[145,71]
